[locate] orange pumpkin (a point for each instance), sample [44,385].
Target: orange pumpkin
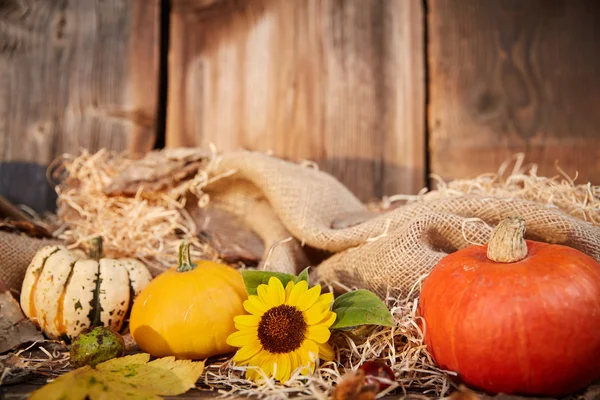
[515,316]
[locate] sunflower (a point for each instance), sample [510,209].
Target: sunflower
[287,329]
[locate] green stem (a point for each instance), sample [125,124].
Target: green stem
[96,248]
[185,263]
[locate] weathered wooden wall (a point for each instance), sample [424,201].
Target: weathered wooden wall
[377,92]
[73,74]
[337,82]
[514,76]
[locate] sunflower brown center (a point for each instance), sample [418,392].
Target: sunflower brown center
[282,329]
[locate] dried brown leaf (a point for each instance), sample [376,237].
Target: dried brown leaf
[227,234]
[8,209]
[15,328]
[14,369]
[157,170]
[353,387]
[28,228]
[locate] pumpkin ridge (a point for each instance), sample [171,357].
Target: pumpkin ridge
[131,295]
[521,347]
[95,307]
[37,273]
[59,319]
[456,312]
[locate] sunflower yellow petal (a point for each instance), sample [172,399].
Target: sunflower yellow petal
[328,319]
[288,289]
[311,350]
[242,338]
[308,298]
[326,299]
[251,374]
[254,306]
[326,351]
[254,364]
[295,293]
[302,354]
[268,364]
[318,333]
[264,295]
[276,291]
[314,314]
[276,367]
[292,364]
[308,354]
[302,363]
[295,362]
[246,321]
[245,353]
[247,329]
[282,372]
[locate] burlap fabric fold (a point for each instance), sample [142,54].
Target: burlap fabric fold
[387,254]
[17,251]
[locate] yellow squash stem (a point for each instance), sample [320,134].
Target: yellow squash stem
[507,243]
[184,262]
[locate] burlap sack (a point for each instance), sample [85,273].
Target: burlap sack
[283,252]
[16,252]
[293,207]
[387,254]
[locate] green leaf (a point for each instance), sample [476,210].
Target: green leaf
[302,276]
[360,307]
[252,279]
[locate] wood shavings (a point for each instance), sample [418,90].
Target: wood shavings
[581,201]
[578,200]
[148,225]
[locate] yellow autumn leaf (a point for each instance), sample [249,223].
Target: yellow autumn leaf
[131,377]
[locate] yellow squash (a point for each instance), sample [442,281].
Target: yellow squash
[188,311]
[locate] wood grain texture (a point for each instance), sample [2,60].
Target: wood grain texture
[75,74]
[337,82]
[514,76]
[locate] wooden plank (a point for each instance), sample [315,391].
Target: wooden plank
[509,77]
[75,74]
[337,82]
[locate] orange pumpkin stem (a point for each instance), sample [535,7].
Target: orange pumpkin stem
[96,248]
[185,263]
[507,243]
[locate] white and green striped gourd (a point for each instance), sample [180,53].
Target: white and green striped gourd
[65,293]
